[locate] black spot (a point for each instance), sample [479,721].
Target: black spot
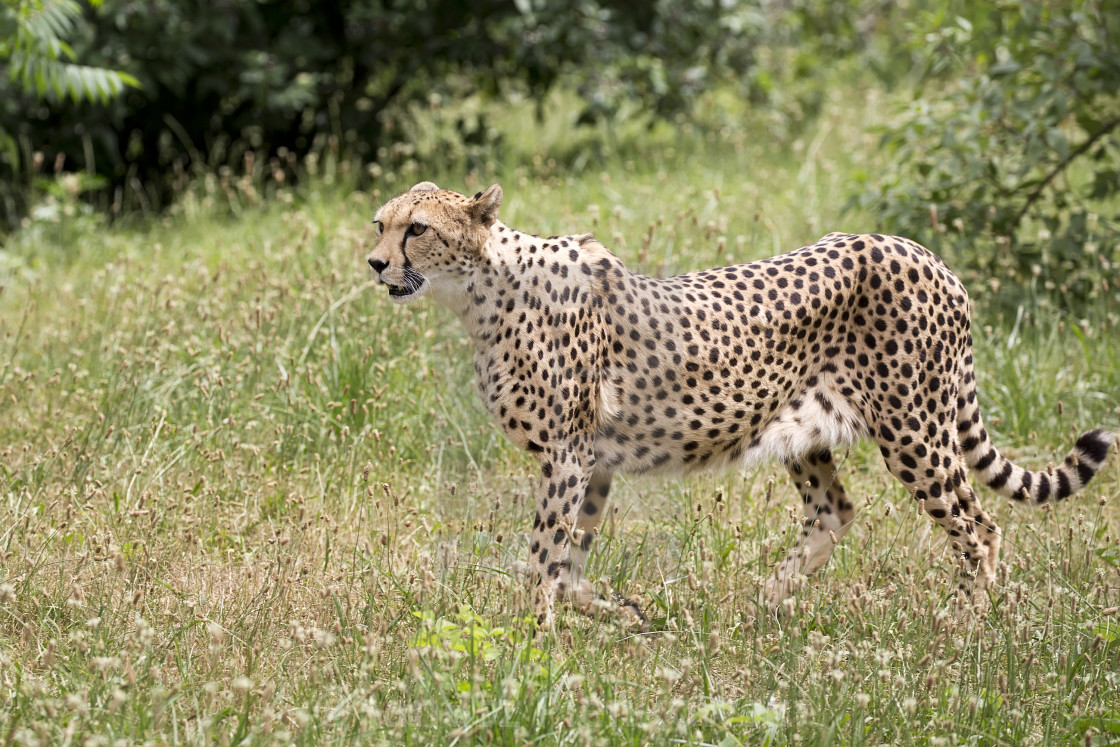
[1043,487]
[1065,490]
[1085,473]
[985,461]
[1000,479]
[1095,445]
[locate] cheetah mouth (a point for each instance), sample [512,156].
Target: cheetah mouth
[407,293]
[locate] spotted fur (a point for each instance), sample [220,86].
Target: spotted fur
[597,370]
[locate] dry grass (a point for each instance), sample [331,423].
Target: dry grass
[244,498]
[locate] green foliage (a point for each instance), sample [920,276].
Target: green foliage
[1008,159]
[661,58]
[282,79]
[41,67]
[33,37]
[466,648]
[287,78]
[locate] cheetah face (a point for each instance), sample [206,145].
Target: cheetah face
[429,239]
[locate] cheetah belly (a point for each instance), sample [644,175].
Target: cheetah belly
[818,418]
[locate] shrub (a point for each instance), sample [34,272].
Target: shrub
[287,77]
[283,78]
[42,66]
[1009,162]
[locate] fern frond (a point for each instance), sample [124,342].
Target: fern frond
[62,80]
[51,19]
[44,63]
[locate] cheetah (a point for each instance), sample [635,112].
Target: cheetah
[597,370]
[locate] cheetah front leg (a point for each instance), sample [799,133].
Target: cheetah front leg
[578,590]
[827,515]
[562,486]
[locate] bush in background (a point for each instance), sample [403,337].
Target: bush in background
[285,77]
[42,67]
[282,78]
[1005,161]
[1009,160]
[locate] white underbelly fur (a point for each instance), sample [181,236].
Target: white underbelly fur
[789,436]
[794,433]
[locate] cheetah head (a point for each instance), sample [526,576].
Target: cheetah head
[431,239]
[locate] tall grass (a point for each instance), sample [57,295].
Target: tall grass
[247,500]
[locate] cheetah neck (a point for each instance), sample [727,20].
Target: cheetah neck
[517,272]
[491,288]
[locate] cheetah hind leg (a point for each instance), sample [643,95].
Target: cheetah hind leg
[574,586]
[979,574]
[827,516]
[945,494]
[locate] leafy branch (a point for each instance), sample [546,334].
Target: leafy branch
[33,37]
[1062,165]
[988,148]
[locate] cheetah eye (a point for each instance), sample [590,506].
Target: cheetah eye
[417,229]
[380,226]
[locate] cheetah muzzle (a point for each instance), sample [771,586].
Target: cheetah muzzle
[597,370]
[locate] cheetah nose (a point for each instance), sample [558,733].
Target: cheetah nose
[378,265]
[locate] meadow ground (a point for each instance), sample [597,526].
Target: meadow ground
[246,500]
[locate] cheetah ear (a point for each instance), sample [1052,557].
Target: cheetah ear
[484,209]
[424,187]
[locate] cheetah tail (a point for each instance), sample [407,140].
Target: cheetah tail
[1011,481]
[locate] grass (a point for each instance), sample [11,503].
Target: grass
[245,500]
